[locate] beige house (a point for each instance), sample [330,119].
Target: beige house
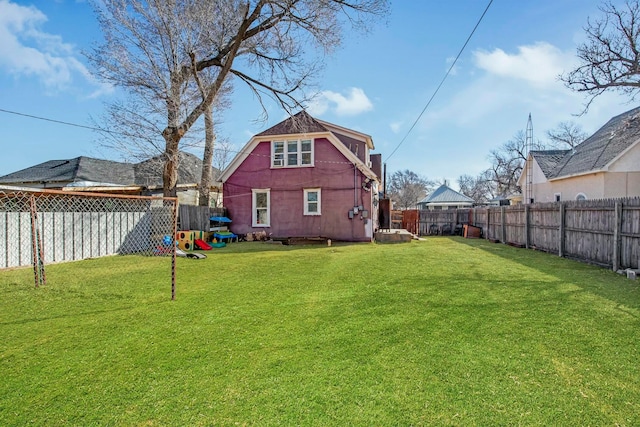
[606,165]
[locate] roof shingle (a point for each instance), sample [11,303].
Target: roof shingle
[597,151]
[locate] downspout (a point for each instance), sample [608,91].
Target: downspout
[355,185]
[355,200]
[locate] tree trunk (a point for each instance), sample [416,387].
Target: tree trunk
[207,159]
[171,161]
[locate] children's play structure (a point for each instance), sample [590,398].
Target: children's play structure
[217,237]
[220,229]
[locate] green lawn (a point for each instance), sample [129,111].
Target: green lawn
[441,332]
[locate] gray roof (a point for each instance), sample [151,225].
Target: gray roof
[74,170]
[548,159]
[92,171]
[301,122]
[148,173]
[597,151]
[445,194]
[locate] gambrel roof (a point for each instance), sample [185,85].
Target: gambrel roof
[304,124]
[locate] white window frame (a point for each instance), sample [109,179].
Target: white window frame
[581,196]
[557,197]
[281,159]
[306,202]
[254,207]
[278,159]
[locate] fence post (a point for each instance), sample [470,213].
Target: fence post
[561,230]
[503,224]
[488,223]
[34,240]
[527,241]
[485,224]
[174,249]
[617,231]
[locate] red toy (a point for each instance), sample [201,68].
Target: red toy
[201,244]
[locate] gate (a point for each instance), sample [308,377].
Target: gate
[411,220]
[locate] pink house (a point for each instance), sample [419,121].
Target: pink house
[305,178]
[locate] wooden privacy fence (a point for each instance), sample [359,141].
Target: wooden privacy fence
[197,217]
[602,232]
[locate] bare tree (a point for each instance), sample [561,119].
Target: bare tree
[507,162]
[610,58]
[222,156]
[407,188]
[566,135]
[480,188]
[156,50]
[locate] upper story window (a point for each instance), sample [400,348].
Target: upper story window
[292,153]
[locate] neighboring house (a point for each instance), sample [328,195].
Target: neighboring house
[445,198]
[86,174]
[305,177]
[513,199]
[605,165]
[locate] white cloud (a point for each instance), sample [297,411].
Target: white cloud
[28,51]
[511,85]
[396,126]
[493,104]
[353,103]
[538,64]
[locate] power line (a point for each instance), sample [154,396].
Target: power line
[60,122]
[134,136]
[441,82]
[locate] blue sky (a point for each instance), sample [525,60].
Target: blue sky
[377,83]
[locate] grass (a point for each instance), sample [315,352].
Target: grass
[445,332]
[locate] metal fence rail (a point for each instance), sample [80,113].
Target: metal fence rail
[42,227]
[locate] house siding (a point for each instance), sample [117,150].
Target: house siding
[622,184]
[630,162]
[600,185]
[614,183]
[332,173]
[591,185]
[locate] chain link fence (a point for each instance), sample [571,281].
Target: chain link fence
[43,227]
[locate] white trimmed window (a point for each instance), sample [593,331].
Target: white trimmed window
[277,154]
[581,196]
[312,201]
[261,207]
[557,196]
[292,153]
